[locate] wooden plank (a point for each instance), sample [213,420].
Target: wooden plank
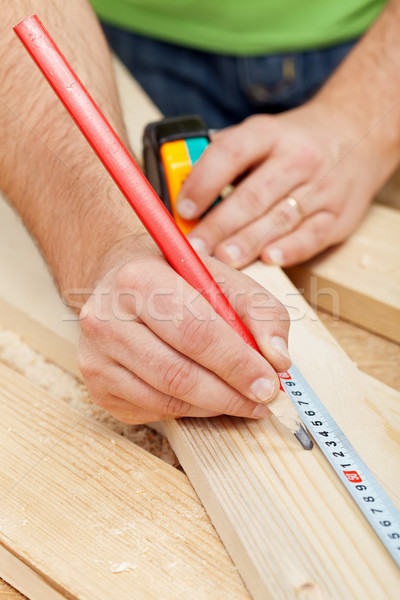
[283,516]
[287,523]
[86,514]
[360,279]
[312,367]
[9,593]
[264,439]
[372,353]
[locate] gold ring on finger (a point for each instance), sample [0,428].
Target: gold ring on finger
[293,203]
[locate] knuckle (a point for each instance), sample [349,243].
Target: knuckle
[320,235]
[309,156]
[198,334]
[127,276]
[180,378]
[89,324]
[235,406]
[327,183]
[252,200]
[173,407]
[260,124]
[229,146]
[88,366]
[285,216]
[96,327]
[283,314]
[262,305]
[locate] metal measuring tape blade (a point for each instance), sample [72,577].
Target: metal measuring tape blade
[369,496]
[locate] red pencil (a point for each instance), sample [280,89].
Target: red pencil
[131,181]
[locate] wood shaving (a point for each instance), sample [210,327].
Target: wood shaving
[25,360]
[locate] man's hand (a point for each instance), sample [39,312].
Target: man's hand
[307,175]
[152,347]
[304,155]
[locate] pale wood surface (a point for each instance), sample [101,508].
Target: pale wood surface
[363,272]
[9,593]
[78,501]
[372,353]
[284,518]
[280,511]
[264,441]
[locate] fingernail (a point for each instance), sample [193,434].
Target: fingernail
[233,251]
[197,244]
[276,256]
[280,344]
[263,389]
[186,208]
[261,411]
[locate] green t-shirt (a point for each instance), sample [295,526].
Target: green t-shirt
[244,26]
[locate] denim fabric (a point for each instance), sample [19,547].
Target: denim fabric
[223,89]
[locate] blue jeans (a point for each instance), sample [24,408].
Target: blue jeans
[223,89]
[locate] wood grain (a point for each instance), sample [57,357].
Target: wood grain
[286,521]
[288,524]
[360,279]
[86,514]
[9,593]
[372,353]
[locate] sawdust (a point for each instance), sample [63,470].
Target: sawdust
[22,358]
[122,567]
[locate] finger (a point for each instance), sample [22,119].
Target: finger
[140,409]
[251,199]
[167,382]
[313,236]
[127,397]
[231,152]
[264,316]
[129,413]
[187,323]
[244,247]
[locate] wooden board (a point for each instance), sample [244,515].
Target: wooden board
[86,514]
[360,279]
[9,593]
[371,353]
[283,516]
[200,445]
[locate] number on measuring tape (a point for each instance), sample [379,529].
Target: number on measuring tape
[374,503]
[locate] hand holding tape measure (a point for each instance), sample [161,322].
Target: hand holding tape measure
[171,148]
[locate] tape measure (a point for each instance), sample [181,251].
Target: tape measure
[369,496]
[171,147]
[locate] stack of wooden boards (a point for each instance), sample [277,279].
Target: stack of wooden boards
[86,514]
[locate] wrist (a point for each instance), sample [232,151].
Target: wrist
[77,283]
[353,134]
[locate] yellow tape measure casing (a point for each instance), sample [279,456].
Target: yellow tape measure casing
[177,165]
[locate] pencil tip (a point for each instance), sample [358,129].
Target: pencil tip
[303,437]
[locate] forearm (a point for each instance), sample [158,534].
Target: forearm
[365,88]
[47,169]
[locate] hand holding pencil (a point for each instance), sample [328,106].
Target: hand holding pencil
[243,378]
